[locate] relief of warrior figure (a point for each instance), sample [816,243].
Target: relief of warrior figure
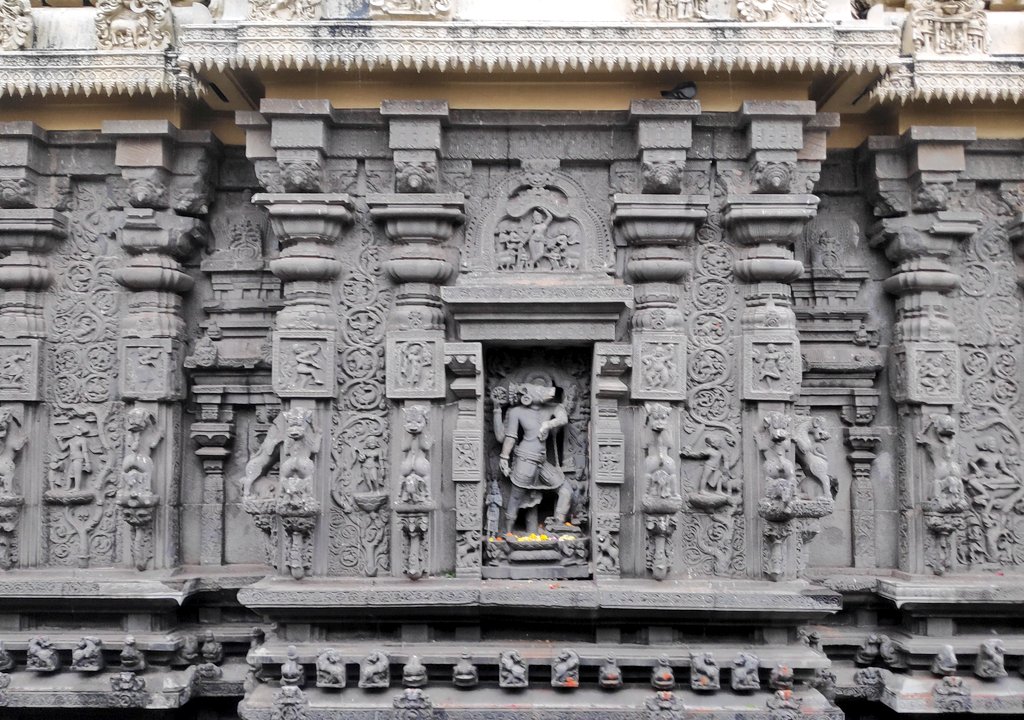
[524,454]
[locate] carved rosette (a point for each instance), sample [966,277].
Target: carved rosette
[134,25]
[16,25]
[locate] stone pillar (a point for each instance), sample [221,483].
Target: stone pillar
[29,229]
[766,212]
[863,445]
[918,232]
[656,225]
[166,174]
[307,225]
[418,221]
[212,440]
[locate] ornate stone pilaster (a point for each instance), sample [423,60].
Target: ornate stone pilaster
[465,364]
[863,444]
[417,221]
[656,225]
[915,176]
[162,226]
[212,440]
[29,230]
[608,455]
[766,211]
[307,225]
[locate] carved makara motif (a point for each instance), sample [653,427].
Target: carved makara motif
[959,27]
[293,442]
[134,24]
[16,24]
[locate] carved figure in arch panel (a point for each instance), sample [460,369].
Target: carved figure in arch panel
[669,9]
[717,484]
[799,11]
[959,27]
[539,220]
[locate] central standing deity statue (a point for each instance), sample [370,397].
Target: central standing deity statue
[525,428]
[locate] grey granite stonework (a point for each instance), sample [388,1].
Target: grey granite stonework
[422,413]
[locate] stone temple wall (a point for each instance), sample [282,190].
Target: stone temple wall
[418,412]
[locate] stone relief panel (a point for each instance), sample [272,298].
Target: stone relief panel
[991,356]
[538,220]
[361,516]
[86,419]
[712,533]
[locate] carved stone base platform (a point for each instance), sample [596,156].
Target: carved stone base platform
[536,572]
[543,703]
[280,597]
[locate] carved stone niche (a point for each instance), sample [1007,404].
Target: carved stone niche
[537,451]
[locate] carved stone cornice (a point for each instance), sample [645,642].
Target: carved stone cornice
[539,47]
[955,79]
[67,72]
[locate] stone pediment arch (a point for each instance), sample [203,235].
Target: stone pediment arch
[538,220]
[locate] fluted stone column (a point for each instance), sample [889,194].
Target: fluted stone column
[656,225]
[914,175]
[418,221]
[29,230]
[765,214]
[165,173]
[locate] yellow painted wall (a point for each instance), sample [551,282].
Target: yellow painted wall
[716,93]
